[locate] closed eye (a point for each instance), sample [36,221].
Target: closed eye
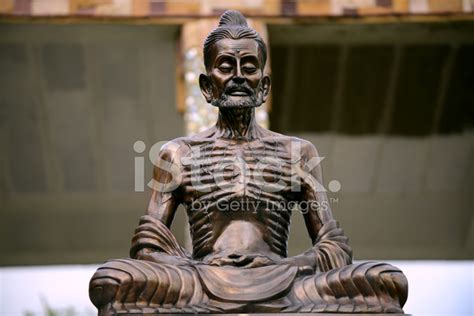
[250,69]
[225,67]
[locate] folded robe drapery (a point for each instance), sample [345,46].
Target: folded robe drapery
[226,283]
[247,285]
[130,285]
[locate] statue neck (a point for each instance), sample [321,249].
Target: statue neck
[237,123]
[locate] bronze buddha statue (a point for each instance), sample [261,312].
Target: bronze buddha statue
[240,184]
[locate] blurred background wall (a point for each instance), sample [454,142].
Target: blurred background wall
[75,98]
[390,106]
[384,89]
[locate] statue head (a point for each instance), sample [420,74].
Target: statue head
[234,57]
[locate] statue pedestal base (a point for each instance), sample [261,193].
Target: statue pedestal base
[290,314]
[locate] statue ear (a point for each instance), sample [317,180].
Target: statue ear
[266,84]
[206,87]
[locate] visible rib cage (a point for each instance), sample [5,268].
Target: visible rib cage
[217,173]
[278,224]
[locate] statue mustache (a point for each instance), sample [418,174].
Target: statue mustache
[237,87]
[254,99]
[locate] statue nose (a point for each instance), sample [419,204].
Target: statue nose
[238,78]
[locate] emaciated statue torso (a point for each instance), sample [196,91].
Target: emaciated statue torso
[240,184]
[233,215]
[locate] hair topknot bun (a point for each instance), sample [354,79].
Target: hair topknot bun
[232,18]
[232,25]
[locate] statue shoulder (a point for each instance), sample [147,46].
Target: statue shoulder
[306,148]
[174,149]
[178,149]
[293,143]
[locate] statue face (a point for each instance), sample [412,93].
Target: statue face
[236,78]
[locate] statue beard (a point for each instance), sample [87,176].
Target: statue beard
[252,100]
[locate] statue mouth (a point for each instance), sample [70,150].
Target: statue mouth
[237,96]
[238,92]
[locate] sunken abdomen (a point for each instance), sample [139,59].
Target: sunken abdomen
[241,237]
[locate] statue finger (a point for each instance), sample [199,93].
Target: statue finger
[305,270]
[259,262]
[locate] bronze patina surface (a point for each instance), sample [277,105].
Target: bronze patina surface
[240,184]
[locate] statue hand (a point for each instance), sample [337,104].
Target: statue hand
[161,257]
[306,263]
[242,261]
[220,261]
[259,261]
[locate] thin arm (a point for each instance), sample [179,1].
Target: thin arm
[164,199]
[153,239]
[329,242]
